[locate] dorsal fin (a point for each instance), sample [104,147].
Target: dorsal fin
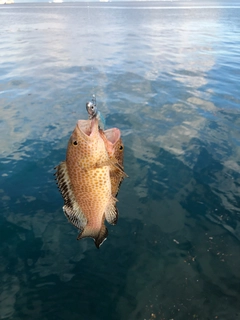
[71,208]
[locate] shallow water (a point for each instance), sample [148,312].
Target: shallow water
[165,73]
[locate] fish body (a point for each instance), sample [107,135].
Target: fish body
[85,183]
[115,149]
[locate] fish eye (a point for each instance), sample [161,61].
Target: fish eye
[75,143]
[121,147]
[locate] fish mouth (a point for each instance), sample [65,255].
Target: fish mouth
[88,128]
[113,135]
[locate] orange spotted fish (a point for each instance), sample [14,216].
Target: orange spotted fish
[85,179]
[115,148]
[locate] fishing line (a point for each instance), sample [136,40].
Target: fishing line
[90,53]
[91,106]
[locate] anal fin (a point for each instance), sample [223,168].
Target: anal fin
[111,213]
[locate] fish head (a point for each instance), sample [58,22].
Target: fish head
[112,140]
[85,131]
[85,142]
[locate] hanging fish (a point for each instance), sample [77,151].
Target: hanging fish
[85,179]
[115,149]
[113,144]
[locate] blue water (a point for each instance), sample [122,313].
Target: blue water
[165,73]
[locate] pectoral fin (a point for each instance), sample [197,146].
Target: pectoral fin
[112,163]
[117,166]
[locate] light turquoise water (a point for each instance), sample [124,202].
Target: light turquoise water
[166,74]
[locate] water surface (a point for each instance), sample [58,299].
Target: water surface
[165,73]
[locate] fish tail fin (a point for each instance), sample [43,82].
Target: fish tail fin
[102,236]
[99,236]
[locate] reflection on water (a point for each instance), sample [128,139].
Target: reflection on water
[169,80]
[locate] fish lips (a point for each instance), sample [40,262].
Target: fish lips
[88,129]
[112,135]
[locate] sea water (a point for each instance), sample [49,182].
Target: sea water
[165,73]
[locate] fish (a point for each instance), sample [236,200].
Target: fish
[115,148]
[86,177]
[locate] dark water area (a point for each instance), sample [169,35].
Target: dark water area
[167,75]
